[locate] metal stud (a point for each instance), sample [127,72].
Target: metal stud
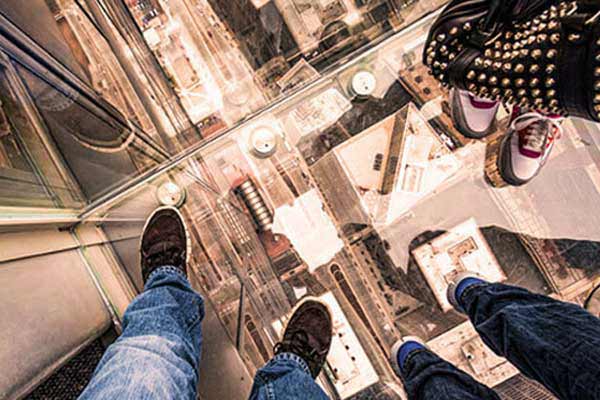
[597,72]
[505,82]
[441,37]
[551,93]
[534,82]
[551,54]
[555,38]
[550,82]
[519,68]
[597,86]
[507,67]
[573,37]
[493,80]
[497,65]
[520,82]
[467,26]
[536,92]
[597,99]
[537,53]
[482,78]
[522,93]
[478,62]
[472,87]
[454,31]
[471,75]
[534,69]
[487,63]
[550,69]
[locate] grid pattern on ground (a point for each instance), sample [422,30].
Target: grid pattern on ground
[69,381]
[521,388]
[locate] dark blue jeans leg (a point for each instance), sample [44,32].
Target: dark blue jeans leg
[428,377]
[157,355]
[555,343]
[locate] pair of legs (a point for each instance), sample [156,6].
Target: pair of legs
[552,342]
[157,356]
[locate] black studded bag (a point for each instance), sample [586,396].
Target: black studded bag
[537,54]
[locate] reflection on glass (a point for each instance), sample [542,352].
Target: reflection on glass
[31,174]
[93,54]
[97,142]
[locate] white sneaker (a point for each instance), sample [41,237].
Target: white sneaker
[527,146]
[473,116]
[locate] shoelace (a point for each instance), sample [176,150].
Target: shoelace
[298,344]
[164,253]
[535,134]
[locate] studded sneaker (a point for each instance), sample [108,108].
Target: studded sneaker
[165,242]
[473,116]
[308,335]
[527,146]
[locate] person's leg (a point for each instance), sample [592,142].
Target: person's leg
[299,357]
[428,377]
[555,343]
[285,377]
[157,356]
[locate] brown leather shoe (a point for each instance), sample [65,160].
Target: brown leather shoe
[165,242]
[308,335]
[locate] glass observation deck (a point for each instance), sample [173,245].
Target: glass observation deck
[311,154]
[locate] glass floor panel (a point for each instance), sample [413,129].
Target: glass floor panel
[359,191]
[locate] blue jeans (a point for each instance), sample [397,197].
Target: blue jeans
[555,343]
[157,356]
[286,377]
